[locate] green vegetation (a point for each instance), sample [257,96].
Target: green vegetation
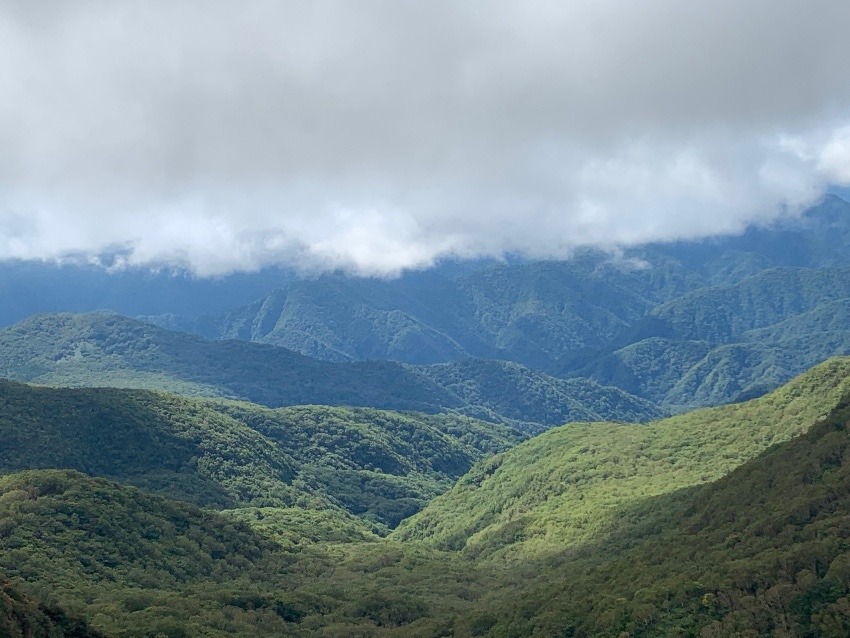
[381,466]
[119,553]
[681,375]
[731,342]
[141,566]
[110,350]
[761,551]
[529,313]
[295,527]
[562,487]
[829,317]
[722,314]
[502,388]
[22,617]
[93,529]
[647,368]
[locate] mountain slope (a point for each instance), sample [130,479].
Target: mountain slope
[381,466]
[338,318]
[721,314]
[529,313]
[560,488]
[519,393]
[140,565]
[23,617]
[110,350]
[648,368]
[107,349]
[681,375]
[761,552]
[829,317]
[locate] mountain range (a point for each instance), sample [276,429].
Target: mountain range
[724,521]
[644,444]
[731,317]
[111,350]
[530,312]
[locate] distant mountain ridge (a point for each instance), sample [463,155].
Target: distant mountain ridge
[531,313]
[729,317]
[524,313]
[103,349]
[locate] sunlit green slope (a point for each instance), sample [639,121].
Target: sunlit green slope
[763,551]
[561,488]
[694,527]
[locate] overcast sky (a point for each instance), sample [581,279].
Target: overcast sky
[381,135]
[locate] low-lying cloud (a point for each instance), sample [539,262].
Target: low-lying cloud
[382,135]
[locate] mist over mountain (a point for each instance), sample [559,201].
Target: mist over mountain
[480,319]
[707,309]
[31,287]
[475,432]
[532,313]
[659,272]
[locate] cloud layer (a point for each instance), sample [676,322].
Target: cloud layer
[381,135]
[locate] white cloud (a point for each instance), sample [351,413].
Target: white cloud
[834,157]
[380,135]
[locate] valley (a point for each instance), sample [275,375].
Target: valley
[653,445]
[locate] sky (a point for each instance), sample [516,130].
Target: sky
[218,136]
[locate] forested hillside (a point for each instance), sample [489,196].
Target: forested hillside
[23,617]
[105,349]
[562,487]
[380,466]
[76,538]
[528,313]
[760,552]
[678,375]
[721,314]
[700,525]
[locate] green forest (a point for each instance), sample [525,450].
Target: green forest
[651,446]
[180,516]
